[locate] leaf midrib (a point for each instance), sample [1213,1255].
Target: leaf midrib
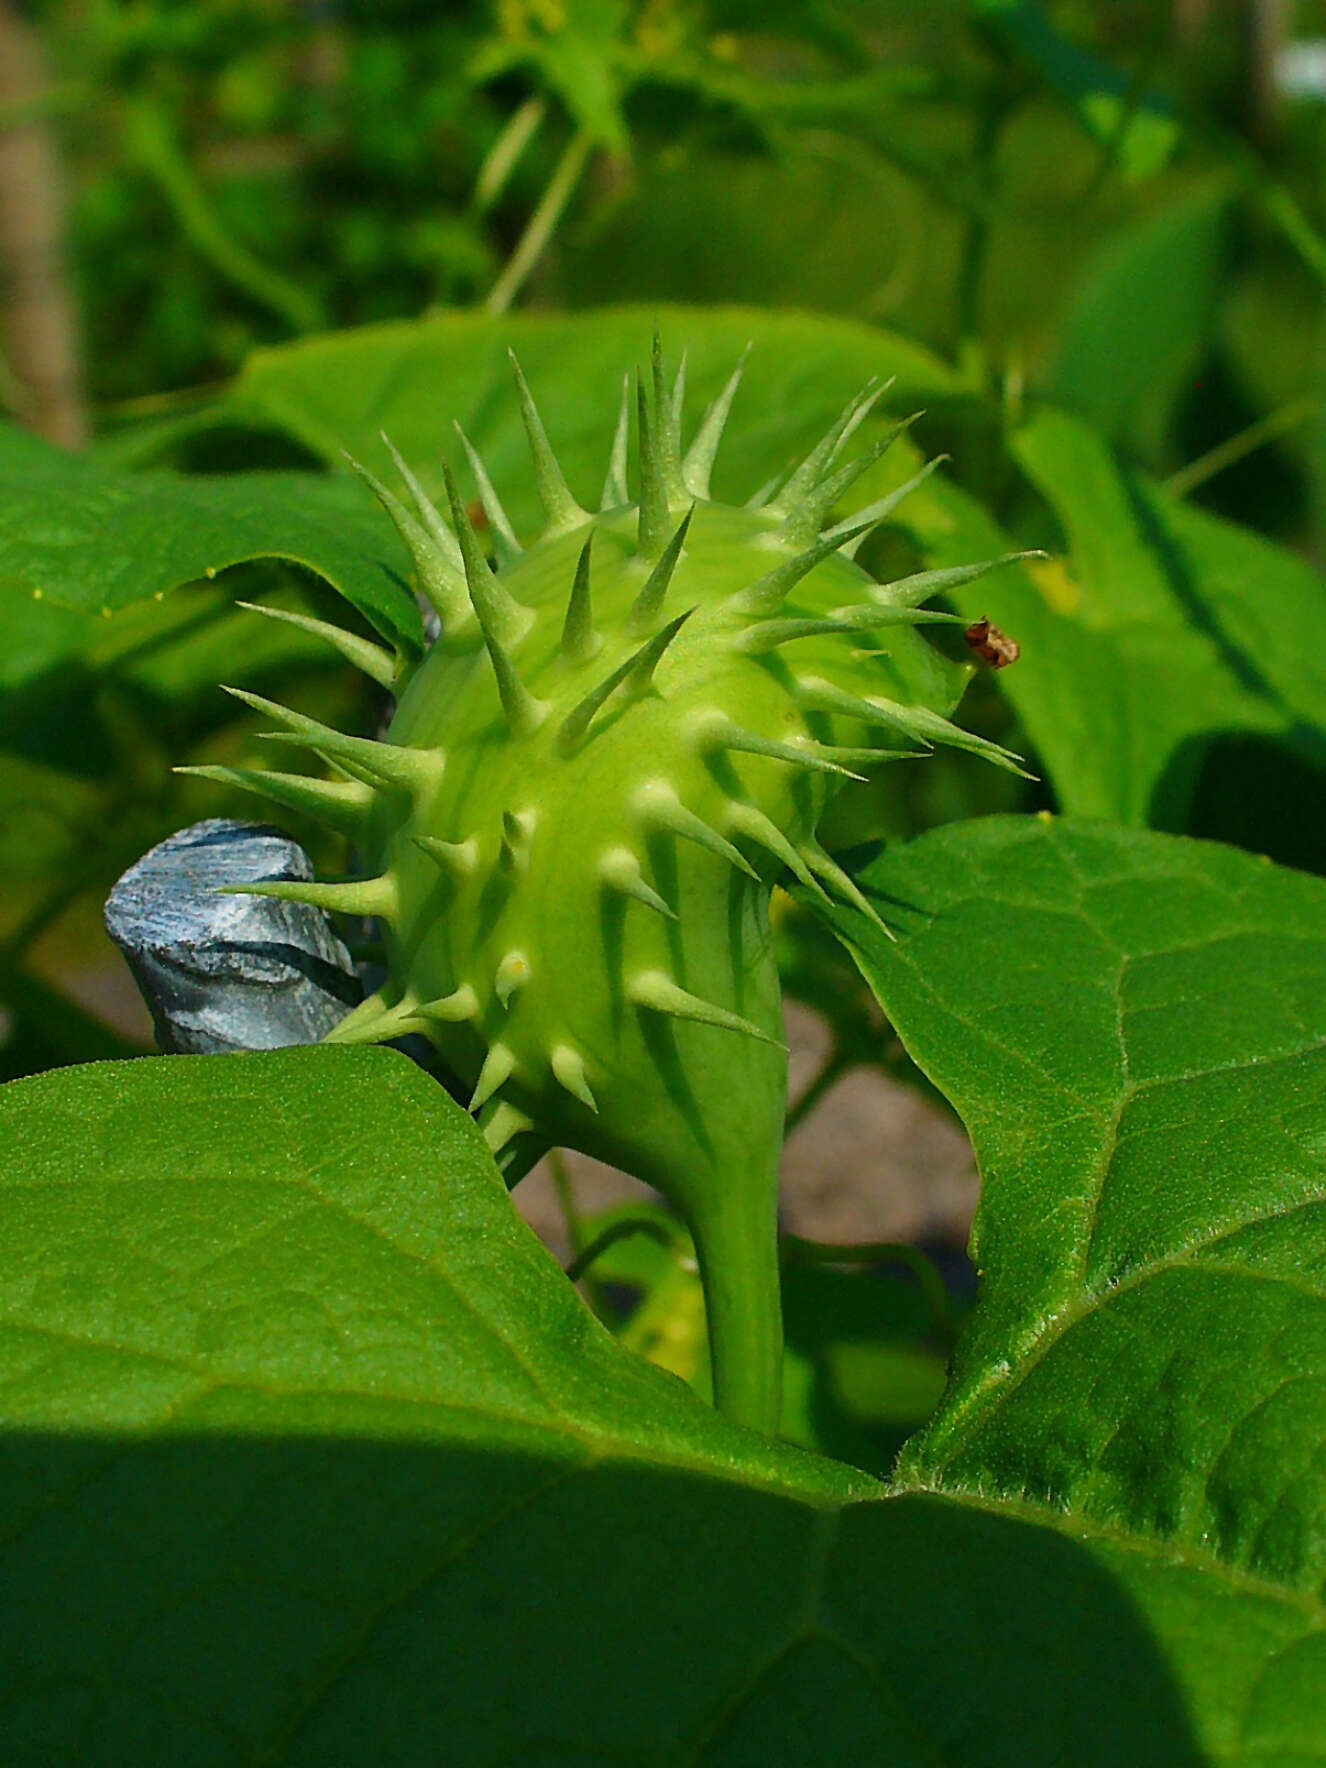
[1078,1527]
[976,1409]
[558,1429]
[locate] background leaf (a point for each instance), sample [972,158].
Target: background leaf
[1140,320]
[1204,622]
[1163,630]
[87,538]
[413,379]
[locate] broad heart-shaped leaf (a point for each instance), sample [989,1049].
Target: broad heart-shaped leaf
[310,1455]
[1133,1027]
[414,379]
[85,538]
[1164,629]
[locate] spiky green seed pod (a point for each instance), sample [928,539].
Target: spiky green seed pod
[624,735]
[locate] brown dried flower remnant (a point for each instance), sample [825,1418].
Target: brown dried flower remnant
[996,647]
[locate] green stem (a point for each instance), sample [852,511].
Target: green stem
[542,223]
[566,1198]
[575,1232]
[976,244]
[738,1259]
[1285,215]
[501,158]
[614,1232]
[157,152]
[1234,448]
[1140,81]
[1276,202]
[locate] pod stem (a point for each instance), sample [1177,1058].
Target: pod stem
[737,1250]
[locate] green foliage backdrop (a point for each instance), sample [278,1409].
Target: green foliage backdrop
[309,1451]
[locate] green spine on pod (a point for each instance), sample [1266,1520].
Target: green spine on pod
[627,731]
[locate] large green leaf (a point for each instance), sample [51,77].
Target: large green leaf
[92,540]
[318,1222]
[1133,1027]
[414,378]
[312,1456]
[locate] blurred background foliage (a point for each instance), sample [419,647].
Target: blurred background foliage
[1117,206]
[1112,209]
